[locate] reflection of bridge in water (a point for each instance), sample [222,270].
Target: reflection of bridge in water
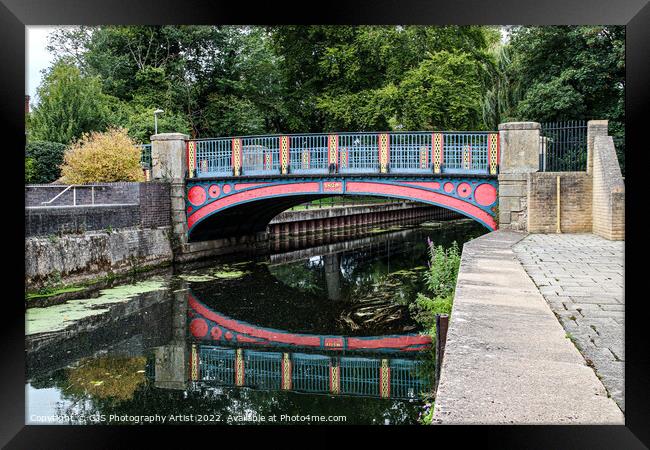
[207,325]
[311,373]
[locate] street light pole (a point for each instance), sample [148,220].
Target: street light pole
[155,119]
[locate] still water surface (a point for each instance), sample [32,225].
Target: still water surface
[126,354]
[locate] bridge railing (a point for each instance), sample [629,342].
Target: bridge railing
[394,152]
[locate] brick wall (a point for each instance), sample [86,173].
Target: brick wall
[155,205]
[575,202]
[608,191]
[117,206]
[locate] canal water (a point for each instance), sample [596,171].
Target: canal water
[302,331]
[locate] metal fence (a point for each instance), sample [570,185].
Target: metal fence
[145,156]
[563,146]
[405,152]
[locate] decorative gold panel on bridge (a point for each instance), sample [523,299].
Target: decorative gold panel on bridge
[384,143]
[437,156]
[467,157]
[335,378]
[194,363]
[236,156]
[493,152]
[332,149]
[191,157]
[284,154]
[239,367]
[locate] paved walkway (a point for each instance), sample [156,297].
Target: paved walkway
[581,278]
[507,358]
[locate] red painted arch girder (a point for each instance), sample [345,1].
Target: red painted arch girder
[352,187]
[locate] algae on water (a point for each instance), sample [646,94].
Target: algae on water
[229,274]
[59,317]
[197,278]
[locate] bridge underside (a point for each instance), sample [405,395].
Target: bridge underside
[227,207]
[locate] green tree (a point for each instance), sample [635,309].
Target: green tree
[70,104]
[354,78]
[189,71]
[569,73]
[443,92]
[246,80]
[42,161]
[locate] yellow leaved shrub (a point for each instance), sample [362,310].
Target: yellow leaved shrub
[102,157]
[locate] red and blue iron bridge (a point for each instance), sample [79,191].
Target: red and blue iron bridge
[236,185]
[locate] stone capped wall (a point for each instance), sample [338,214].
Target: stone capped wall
[608,191]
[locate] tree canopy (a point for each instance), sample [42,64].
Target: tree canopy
[235,80]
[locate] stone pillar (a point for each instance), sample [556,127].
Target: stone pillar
[168,156]
[168,163]
[594,128]
[519,155]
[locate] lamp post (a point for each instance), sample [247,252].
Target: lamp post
[155,119]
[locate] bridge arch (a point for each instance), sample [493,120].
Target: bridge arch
[225,207]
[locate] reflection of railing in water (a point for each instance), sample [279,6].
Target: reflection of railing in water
[313,373]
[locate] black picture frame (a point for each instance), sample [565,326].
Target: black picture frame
[16,14]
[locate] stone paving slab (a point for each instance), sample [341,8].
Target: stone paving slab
[588,301]
[507,358]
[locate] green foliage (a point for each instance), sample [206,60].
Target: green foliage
[139,121]
[42,161]
[355,78]
[443,271]
[569,73]
[234,80]
[70,104]
[443,93]
[30,170]
[441,283]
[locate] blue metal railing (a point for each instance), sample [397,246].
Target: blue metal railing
[145,156]
[367,152]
